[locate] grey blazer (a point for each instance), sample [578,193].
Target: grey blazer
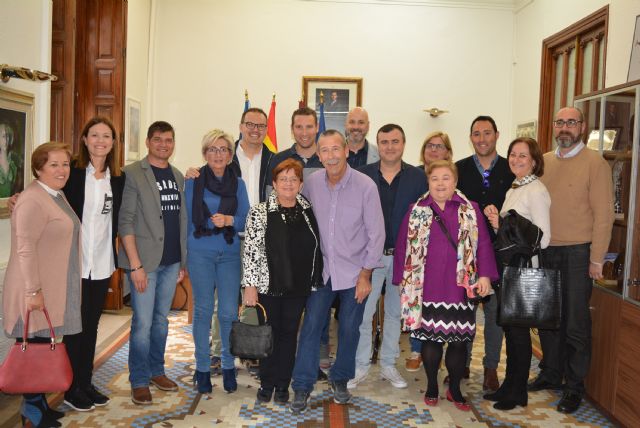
[141,215]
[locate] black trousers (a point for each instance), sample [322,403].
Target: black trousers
[81,347]
[567,351]
[284,315]
[518,341]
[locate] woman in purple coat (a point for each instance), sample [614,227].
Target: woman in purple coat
[443,257]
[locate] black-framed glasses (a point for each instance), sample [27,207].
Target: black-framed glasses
[251,125]
[485,178]
[218,150]
[571,123]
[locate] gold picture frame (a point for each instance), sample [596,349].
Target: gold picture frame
[341,94]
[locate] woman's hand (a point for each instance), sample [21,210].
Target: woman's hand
[250,296]
[218,220]
[192,173]
[484,286]
[34,303]
[493,215]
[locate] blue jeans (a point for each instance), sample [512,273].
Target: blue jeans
[390,349]
[305,371]
[149,324]
[211,272]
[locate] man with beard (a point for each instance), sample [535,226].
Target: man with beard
[485,178]
[361,152]
[579,183]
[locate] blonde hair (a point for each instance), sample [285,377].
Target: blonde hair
[214,135]
[445,139]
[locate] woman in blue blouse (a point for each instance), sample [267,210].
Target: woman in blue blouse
[217,206]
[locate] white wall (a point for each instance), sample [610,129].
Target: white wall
[543,18]
[410,57]
[25,41]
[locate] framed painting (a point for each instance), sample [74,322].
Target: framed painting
[16,144]
[527,129]
[340,94]
[132,131]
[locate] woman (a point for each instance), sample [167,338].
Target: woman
[94,191]
[529,198]
[436,146]
[44,265]
[443,257]
[217,206]
[282,262]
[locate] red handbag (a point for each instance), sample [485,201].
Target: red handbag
[36,367]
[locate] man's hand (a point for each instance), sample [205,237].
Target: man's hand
[181,274]
[139,279]
[363,285]
[250,296]
[484,286]
[192,173]
[595,270]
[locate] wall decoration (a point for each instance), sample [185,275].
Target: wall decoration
[527,129]
[634,63]
[16,144]
[132,131]
[341,94]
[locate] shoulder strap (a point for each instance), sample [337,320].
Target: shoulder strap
[438,220]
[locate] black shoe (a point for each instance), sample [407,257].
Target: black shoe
[509,404]
[281,396]
[264,394]
[341,394]
[495,396]
[97,397]
[77,399]
[570,402]
[51,413]
[538,384]
[300,402]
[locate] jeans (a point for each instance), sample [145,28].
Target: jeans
[149,324]
[210,272]
[305,371]
[390,349]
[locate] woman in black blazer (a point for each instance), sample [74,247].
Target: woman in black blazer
[94,190]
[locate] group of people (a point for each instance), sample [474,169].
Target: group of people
[337,222]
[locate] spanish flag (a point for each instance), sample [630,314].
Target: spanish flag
[271,141]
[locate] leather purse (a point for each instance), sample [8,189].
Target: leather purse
[530,297]
[36,367]
[251,341]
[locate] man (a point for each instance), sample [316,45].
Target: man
[153,230]
[399,184]
[485,178]
[361,152]
[304,128]
[347,207]
[252,157]
[579,183]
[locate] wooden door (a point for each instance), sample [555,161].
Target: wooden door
[63,47]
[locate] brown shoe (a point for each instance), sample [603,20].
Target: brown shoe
[490,382]
[141,396]
[413,363]
[164,383]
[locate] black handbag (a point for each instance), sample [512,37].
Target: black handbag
[251,341]
[530,297]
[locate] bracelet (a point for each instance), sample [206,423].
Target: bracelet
[135,269]
[33,293]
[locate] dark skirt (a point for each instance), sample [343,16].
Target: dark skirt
[447,322]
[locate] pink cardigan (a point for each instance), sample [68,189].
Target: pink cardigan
[41,236]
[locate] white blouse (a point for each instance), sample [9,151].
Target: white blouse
[531,201]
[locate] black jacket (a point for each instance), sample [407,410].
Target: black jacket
[517,240]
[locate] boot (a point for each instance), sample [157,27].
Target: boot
[490,382]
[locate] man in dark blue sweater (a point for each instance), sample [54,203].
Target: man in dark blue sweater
[485,178]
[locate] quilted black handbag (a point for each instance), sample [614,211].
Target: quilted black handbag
[251,341]
[530,297]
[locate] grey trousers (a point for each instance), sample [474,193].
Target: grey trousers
[493,335]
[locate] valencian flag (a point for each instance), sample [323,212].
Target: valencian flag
[247,105]
[271,140]
[321,125]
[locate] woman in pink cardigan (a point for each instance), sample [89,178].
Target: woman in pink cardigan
[44,265]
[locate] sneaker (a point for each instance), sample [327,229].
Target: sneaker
[341,394]
[414,362]
[361,375]
[162,382]
[97,397]
[300,402]
[78,400]
[281,396]
[391,374]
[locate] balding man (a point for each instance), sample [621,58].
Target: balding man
[361,152]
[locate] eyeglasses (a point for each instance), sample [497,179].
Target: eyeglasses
[293,180]
[485,178]
[437,147]
[218,150]
[251,125]
[571,123]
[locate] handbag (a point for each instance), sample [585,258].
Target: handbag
[530,297]
[36,367]
[251,341]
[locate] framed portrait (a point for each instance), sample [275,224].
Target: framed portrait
[340,95]
[132,131]
[527,129]
[16,144]
[617,116]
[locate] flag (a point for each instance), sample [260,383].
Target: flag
[247,105]
[321,125]
[271,141]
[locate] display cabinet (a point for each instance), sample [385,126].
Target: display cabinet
[612,128]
